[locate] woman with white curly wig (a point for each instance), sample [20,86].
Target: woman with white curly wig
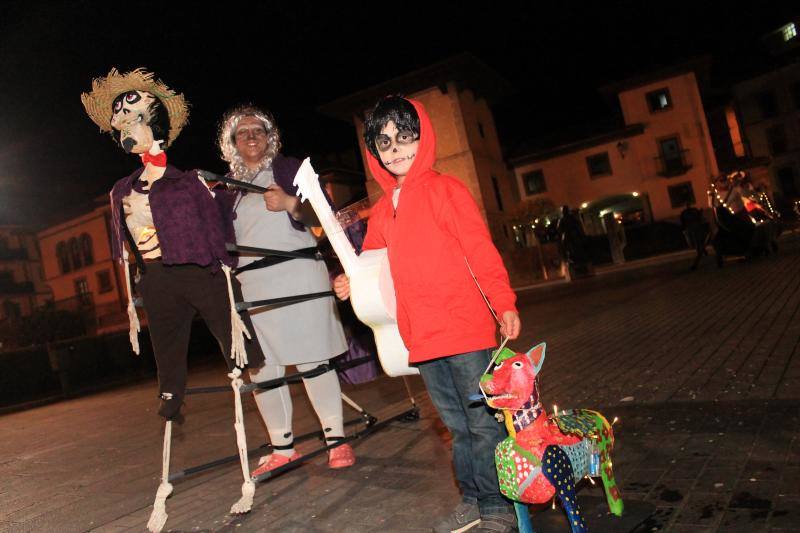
[304,334]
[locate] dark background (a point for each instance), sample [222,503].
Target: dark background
[293,57]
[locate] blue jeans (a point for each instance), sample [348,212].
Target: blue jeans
[450,382]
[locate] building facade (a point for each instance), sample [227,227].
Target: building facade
[648,170]
[22,286]
[768,107]
[76,258]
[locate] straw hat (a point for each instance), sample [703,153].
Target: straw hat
[104,90]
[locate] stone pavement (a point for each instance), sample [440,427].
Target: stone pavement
[702,368]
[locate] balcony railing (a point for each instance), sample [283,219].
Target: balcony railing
[674,164]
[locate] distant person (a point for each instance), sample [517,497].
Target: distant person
[696,230]
[572,241]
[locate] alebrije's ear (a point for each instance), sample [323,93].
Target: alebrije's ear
[536,356]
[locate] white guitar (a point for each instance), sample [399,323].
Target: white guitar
[371,287]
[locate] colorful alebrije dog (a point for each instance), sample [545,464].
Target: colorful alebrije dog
[545,456]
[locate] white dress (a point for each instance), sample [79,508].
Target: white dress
[297,333]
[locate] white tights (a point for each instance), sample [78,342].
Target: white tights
[275,405]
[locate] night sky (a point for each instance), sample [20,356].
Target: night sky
[293,57]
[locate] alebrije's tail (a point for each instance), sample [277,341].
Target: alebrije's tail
[605,443]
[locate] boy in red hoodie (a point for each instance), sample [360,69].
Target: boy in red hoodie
[434,234]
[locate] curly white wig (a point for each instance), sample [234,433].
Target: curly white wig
[227,142]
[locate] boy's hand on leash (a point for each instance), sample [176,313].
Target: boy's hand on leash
[341,286]
[510,325]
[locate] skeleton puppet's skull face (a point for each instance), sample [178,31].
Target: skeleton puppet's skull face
[132,118]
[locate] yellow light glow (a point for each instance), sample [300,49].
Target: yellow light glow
[635,194]
[584,205]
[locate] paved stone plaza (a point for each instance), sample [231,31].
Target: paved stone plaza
[702,368]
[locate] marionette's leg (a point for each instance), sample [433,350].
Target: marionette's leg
[212,296]
[245,503]
[158,518]
[170,323]
[325,394]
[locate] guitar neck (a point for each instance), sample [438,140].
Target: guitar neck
[333,229]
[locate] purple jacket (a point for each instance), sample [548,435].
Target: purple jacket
[191,223]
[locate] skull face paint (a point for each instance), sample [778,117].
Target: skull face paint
[131,118]
[397,149]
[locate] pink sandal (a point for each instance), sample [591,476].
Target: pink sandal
[271,462]
[341,457]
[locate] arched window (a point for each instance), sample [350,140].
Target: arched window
[75,254]
[63,257]
[86,249]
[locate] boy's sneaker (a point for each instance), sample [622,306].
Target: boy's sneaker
[271,462]
[498,523]
[464,517]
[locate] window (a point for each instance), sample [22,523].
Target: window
[599,165]
[659,100]
[63,257]
[776,139]
[75,254]
[82,291]
[534,182]
[497,195]
[767,104]
[681,194]
[672,158]
[86,249]
[789,32]
[104,281]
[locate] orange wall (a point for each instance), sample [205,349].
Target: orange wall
[63,284]
[567,176]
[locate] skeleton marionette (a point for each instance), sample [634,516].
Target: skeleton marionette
[175,229]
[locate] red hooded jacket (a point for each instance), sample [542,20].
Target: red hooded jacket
[437,224]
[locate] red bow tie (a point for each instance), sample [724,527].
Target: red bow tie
[159,160]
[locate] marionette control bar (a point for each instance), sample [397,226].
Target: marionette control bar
[243,306]
[210,176]
[231,247]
